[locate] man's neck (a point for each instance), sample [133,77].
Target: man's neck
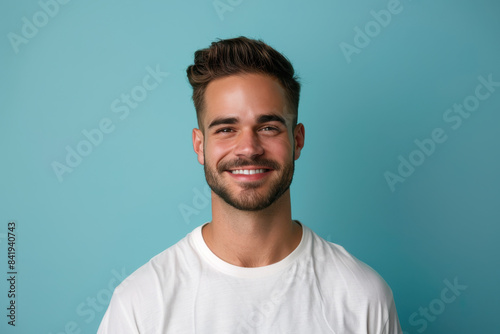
[252,238]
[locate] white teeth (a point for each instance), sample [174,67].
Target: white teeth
[248,171]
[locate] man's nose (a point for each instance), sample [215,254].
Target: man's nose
[248,145]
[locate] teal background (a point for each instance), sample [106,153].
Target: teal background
[123,203]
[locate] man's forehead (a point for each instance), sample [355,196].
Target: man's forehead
[245,97]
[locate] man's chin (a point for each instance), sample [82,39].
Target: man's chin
[245,199]
[250,199]
[250,186]
[249,206]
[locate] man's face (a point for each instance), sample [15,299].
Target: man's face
[247,145]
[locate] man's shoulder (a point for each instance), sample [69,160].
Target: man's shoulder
[162,270]
[354,291]
[139,300]
[347,273]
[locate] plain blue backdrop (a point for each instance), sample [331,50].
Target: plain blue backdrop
[401,106]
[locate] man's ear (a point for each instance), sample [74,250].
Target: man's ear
[299,137]
[198,145]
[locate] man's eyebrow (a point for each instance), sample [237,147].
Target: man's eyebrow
[271,118]
[261,119]
[223,120]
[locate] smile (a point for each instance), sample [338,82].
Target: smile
[248,171]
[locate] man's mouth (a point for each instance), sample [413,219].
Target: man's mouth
[249,171]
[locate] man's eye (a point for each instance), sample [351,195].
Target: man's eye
[269,128]
[224,130]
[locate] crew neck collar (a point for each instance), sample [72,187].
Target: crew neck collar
[244,272]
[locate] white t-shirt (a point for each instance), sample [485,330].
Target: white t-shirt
[318,288]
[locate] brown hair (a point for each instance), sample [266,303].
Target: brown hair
[241,55]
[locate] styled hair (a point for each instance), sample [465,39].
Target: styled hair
[240,55]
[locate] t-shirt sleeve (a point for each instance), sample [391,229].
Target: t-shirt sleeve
[392,325]
[358,299]
[117,319]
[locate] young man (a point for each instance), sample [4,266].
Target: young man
[252,269]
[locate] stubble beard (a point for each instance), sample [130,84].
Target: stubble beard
[249,198]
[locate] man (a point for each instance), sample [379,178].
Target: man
[252,269]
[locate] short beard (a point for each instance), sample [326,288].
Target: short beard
[249,199]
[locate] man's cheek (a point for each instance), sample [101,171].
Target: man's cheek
[220,151]
[279,149]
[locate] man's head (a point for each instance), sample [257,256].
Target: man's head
[248,139]
[239,56]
